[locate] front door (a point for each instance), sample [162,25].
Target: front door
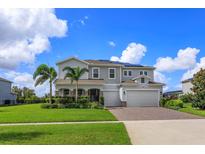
[94,94]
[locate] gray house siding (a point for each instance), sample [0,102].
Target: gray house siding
[71,63]
[5,93]
[136,73]
[104,74]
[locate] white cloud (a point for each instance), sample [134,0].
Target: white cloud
[111,43]
[26,80]
[159,77]
[186,59]
[132,54]
[78,22]
[191,72]
[25,33]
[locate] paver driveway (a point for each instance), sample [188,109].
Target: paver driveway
[149,113]
[156,125]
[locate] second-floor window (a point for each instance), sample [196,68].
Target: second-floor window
[111,73]
[127,73]
[143,73]
[95,73]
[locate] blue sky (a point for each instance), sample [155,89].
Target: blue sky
[162,31]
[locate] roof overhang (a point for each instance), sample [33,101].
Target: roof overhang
[80,82]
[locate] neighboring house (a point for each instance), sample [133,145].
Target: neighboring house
[119,83]
[187,85]
[175,93]
[6,96]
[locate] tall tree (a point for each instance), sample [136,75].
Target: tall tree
[27,92]
[199,84]
[17,91]
[45,73]
[74,74]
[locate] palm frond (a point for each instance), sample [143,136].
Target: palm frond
[43,69]
[40,80]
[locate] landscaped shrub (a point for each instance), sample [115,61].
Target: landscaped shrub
[174,104]
[198,104]
[101,101]
[83,100]
[163,101]
[187,98]
[53,106]
[45,105]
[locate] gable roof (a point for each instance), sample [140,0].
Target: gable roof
[71,58]
[103,62]
[5,80]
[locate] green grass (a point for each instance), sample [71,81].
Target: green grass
[66,134]
[188,108]
[34,113]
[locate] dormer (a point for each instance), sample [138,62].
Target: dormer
[142,79]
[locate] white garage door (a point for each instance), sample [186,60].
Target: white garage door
[140,98]
[111,98]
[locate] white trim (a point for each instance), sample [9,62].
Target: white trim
[143,89]
[98,72]
[114,90]
[112,84]
[109,73]
[120,74]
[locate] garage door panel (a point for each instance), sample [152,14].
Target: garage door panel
[142,98]
[111,98]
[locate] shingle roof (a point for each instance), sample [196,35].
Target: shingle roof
[187,80]
[2,79]
[108,62]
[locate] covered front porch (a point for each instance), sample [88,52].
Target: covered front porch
[90,88]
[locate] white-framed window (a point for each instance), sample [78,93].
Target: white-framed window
[143,73]
[111,73]
[142,80]
[127,73]
[95,72]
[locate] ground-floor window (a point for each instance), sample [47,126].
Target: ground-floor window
[66,92]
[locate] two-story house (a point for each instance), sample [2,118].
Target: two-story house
[6,96]
[187,86]
[119,83]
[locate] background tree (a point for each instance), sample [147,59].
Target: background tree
[28,93]
[199,89]
[74,74]
[45,73]
[16,90]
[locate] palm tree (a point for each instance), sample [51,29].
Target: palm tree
[44,73]
[74,74]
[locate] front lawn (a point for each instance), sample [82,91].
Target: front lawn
[34,113]
[188,108]
[65,134]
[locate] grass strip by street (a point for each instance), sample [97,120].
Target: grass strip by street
[67,134]
[189,109]
[34,113]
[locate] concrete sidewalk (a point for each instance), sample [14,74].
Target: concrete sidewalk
[174,132]
[57,123]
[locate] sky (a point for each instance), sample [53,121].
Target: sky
[172,40]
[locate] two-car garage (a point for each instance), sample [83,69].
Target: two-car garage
[142,97]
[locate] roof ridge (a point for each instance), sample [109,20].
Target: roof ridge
[2,79]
